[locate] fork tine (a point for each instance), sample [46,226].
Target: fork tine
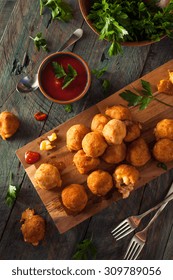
[121,230]
[130,249]
[138,252]
[122,224]
[134,254]
[133,250]
[117,237]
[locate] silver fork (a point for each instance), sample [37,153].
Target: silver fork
[138,240]
[131,223]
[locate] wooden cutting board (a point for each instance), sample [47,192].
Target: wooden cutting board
[148,118]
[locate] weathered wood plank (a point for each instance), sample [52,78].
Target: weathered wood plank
[6,8]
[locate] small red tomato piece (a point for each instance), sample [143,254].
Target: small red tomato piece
[32,157]
[40,116]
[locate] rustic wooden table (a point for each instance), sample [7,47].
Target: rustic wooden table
[18,20]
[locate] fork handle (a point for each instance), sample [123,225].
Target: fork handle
[160,205]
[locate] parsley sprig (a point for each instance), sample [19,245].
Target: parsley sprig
[68,76]
[40,42]
[12,192]
[59,9]
[68,108]
[85,250]
[141,98]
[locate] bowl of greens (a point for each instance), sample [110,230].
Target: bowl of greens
[128,23]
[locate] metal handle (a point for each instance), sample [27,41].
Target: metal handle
[157,206]
[163,205]
[77,34]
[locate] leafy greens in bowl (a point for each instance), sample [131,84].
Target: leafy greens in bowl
[130,23]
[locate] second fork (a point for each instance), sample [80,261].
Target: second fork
[131,223]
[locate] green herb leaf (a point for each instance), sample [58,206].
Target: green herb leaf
[60,73]
[99,72]
[146,88]
[58,70]
[132,98]
[59,9]
[85,251]
[11,193]
[68,108]
[145,102]
[40,42]
[114,49]
[71,74]
[106,85]
[162,165]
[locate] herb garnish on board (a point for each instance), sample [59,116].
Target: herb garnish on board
[68,76]
[119,21]
[141,98]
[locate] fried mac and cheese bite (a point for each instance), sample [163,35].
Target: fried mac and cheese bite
[119,112]
[164,129]
[98,122]
[163,150]
[83,163]
[47,176]
[165,86]
[125,177]
[94,144]
[74,197]
[33,227]
[75,135]
[133,131]
[100,182]
[138,153]
[9,124]
[114,132]
[115,153]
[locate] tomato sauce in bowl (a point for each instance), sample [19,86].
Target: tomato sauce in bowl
[51,86]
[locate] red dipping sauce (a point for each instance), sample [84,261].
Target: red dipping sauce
[52,86]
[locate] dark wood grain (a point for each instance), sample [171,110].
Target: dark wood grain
[122,70]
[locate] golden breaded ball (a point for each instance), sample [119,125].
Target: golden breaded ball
[83,163]
[9,124]
[75,135]
[138,153]
[47,176]
[74,197]
[125,177]
[115,153]
[100,182]
[114,132]
[164,129]
[163,150]
[133,131]
[119,112]
[98,122]
[94,144]
[165,86]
